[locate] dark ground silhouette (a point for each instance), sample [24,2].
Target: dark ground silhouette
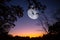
[54,34]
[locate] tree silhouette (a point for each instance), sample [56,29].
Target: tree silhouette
[41,8]
[8,15]
[53,30]
[56,26]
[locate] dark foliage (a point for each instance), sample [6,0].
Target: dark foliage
[41,8]
[54,34]
[37,5]
[8,15]
[55,29]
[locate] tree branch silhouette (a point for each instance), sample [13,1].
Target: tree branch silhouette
[8,15]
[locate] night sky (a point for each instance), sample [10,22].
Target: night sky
[28,27]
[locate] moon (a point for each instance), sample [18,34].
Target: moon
[33,13]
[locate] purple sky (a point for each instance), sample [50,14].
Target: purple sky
[27,25]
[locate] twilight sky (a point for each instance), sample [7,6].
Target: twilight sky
[28,27]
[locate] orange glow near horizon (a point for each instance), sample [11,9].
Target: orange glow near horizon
[29,35]
[32,35]
[28,32]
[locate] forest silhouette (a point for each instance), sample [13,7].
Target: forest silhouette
[9,14]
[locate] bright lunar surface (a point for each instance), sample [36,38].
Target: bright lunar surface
[33,13]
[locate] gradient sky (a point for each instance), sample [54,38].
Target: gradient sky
[28,27]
